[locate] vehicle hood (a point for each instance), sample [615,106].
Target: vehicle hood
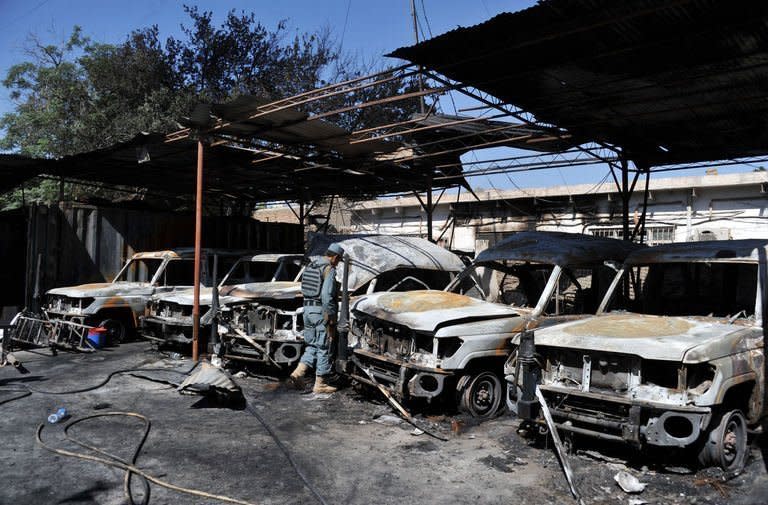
[185,296]
[281,290]
[684,339]
[429,311]
[278,290]
[103,289]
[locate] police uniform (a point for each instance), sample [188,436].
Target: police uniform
[320,308]
[319,313]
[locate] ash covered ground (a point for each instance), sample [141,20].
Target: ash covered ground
[350,445]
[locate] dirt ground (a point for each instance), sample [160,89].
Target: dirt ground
[351,447]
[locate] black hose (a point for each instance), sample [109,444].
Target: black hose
[130,468]
[24,394]
[128,474]
[109,378]
[29,390]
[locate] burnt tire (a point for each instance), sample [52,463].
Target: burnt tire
[482,396]
[725,444]
[116,330]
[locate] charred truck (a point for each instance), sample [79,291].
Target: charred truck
[451,345]
[116,306]
[684,368]
[268,331]
[168,318]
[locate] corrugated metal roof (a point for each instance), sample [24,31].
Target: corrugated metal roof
[670,82]
[15,169]
[238,173]
[252,116]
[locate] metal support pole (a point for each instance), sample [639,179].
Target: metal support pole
[342,327]
[213,344]
[625,199]
[416,36]
[526,356]
[429,208]
[198,235]
[640,225]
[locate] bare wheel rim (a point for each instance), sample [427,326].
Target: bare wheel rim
[732,440]
[483,395]
[115,330]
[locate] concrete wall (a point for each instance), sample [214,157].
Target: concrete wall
[731,206]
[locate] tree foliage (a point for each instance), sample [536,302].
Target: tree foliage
[83,95]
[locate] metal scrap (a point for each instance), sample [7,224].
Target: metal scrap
[561,452]
[628,482]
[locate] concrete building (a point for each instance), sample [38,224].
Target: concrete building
[679,209]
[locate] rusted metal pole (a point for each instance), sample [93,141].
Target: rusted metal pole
[416,35]
[625,193]
[198,234]
[430,209]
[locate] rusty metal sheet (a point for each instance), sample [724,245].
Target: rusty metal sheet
[731,251]
[371,255]
[557,248]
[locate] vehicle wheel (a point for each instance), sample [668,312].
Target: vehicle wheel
[726,443]
[115,330]
[482,396]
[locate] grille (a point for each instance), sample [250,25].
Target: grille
[167,309]
[393,340]
[609,372]
[59,303]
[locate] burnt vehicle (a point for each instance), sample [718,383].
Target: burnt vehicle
[451,345]
[269,330]
[168,316]
[683,369]
[117,305]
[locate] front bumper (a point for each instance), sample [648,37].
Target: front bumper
[610,418]
[405,380]
[275,350]
[166,329]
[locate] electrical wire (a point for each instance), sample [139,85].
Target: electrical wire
[249,407]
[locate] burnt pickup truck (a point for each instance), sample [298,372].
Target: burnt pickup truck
[451,345]
[269,329]
[168,317]
[117,305]
[684,368]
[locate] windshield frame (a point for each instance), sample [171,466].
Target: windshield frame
[155,275]
[615,283]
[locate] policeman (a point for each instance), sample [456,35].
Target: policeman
[318,285]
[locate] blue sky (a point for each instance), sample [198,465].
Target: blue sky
[368,29]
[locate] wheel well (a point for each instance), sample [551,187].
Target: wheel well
[743,397]
[493,364]
[124,315]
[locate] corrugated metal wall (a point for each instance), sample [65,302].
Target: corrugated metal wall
[81,243]
[12,251]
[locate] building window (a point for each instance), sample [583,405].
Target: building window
[653,235]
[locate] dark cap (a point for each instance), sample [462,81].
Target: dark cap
[334,250]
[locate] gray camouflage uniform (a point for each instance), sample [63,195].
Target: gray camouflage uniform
[317,353]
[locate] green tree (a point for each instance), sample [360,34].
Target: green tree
[83,95]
